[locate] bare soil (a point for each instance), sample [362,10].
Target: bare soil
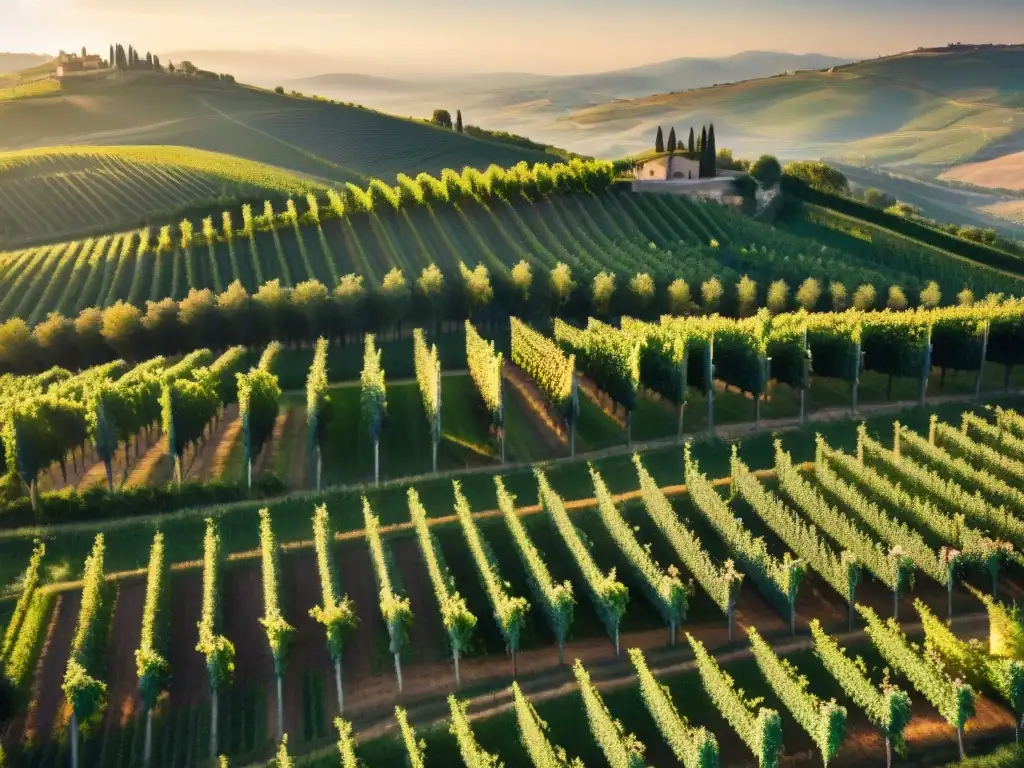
[242,591]
[188,679]
[48,711]
[300,591]
[199,463]
[273,446]
[125,633]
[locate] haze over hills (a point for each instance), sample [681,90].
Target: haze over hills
[12,62]
[522,101]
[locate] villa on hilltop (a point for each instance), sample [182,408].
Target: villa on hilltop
[667,166]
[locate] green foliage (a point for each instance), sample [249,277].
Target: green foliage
[778,579]
[761,732]
[533,736]
[693,746]
[259,398]
[509,611]
[21,609]
[82,686]
[555,599]
[457,619]
[887,707]
[394,606]
[346,744]
[610,358]
[336,612]
[278,630]
[414,749]
[373,394]
[892,568]
[473,755]
[662,585]
[767,170]
[621,749]
[485,369]
[953,699]
[818,175]
[151,662]
[544,363]
[824,721]
[218,650]
[317,397]
[428,379]
[609,596]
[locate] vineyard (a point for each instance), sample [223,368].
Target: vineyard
[922,524]
[197,120]
[51,194]
[620,253]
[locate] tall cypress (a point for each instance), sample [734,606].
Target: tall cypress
[712,152]
[659,141]
[691,145]
[111,59]
[458,120]
[672,139]
[703,149]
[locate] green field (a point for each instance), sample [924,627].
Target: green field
[924,110]
[313,139]
[665,236]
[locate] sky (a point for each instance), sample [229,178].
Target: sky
[542,36]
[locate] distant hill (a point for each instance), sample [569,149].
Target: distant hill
[313,141]
[14,62]
[926,109]
[518,101]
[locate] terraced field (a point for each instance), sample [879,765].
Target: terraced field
[665,236]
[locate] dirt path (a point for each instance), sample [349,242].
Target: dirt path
[300,591]
[188,681]
[121,676]
[268,455]
[298,473]
[360,663]
[221,465]
[600,400]
[47,712]
[201,464]
[97,473]
[547,423]
[154,467]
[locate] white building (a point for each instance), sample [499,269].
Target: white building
[668,167]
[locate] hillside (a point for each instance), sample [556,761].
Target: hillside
[529,104]
[314,139]
[1006,172]
[927,109]
[13,63]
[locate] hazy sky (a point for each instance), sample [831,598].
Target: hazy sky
[556,36]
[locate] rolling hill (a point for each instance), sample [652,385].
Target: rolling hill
[926,110]
[305,141]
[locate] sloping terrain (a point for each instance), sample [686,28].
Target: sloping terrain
[1005,172]
[314,139]
[928,108]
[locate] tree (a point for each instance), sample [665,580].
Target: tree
[458,120]
[691,145]
[442,117]
[149,59]
[767,170]
[671,147]
[702,151]
[876,198]
[170,68]
[712,152]
[659,141]
[111,60]
[818,175]
[156,64]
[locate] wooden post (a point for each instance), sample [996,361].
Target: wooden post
[147,754]
[74,740]
[337,684]
[376,461]
[501,413]
[213,725]
[280,709]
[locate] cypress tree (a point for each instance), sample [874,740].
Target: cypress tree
[659,141]
[111,59]
[702,148]
[672,139]
[458,120]
[691,145]
[712,152]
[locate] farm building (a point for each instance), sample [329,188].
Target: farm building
[668,167]
[72,63]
